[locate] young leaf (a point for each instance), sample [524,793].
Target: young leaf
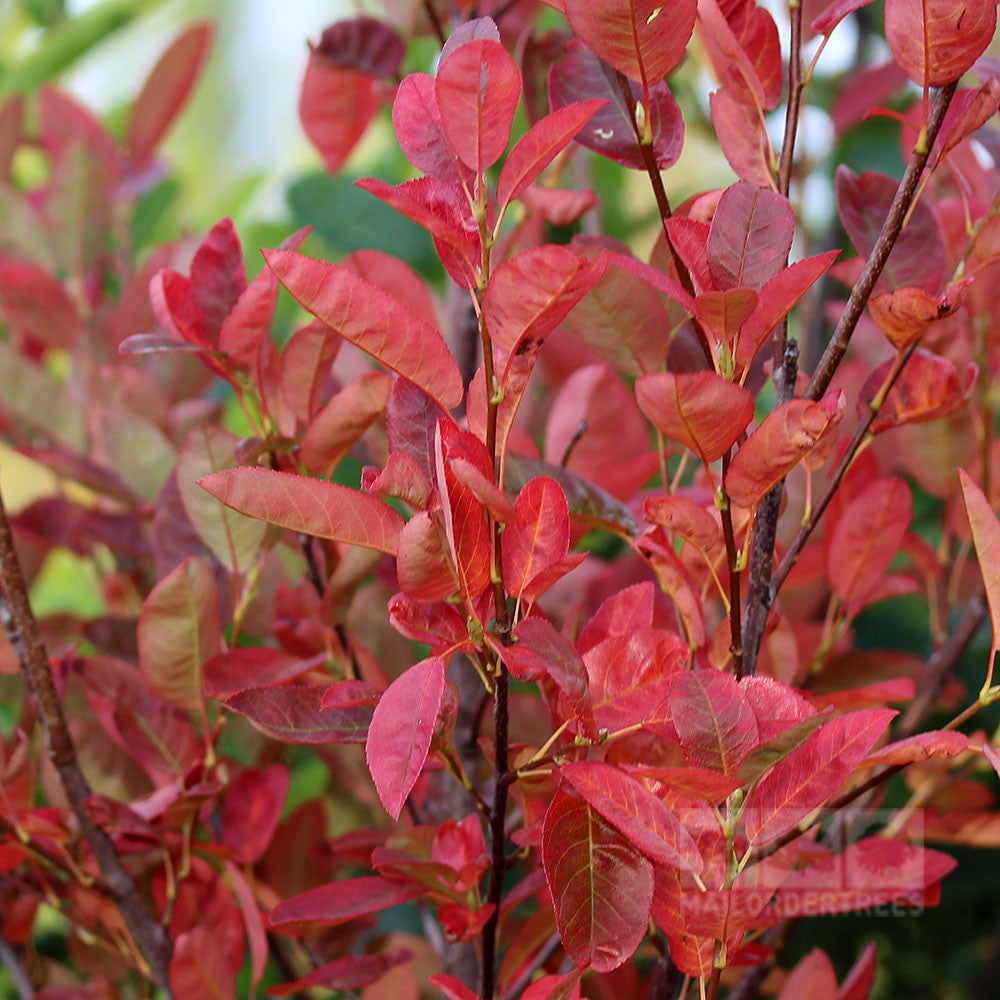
[601,885]
[309,506]
[373,320]
[629,805]
[400,732]
[812,979]
[338,902]
[293,714]
[218,278]
[166,91]
[750,237]
[936,41]
[540,145]
[810,774]
[643,39]
[478,88]
[786,436]
[702,411]
[178,631]
[858,982]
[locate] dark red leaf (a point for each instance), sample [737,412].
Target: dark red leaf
[364,44]
[310,506]
[348,973]
[601,885]
[293,714]
[251,810]
[338,902]
[253,666]
[200,967]
[582,76]
[166,91]
[37,306]
[537,538]
[750,238]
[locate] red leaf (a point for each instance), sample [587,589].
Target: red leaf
[723,313]
[364,44]
[918,255]
[702,411]
[218,277]
[685,518]
[929,387]
[601,886]
[741,133]
[787,435]
[338,902]
[866,538]
[253,921]
[641,38]
[537,538]
[253,666]
[629,805]
[395,277]
[581,76]
[306,362]
[373,320]
[750,238]
[251,811]
[166,91]
[624,319]
[478,88]
[424,571]
[309,506]
[986,535]
[923,746]
[777,298]
[343,420]
[200,966]
[178,631]
[811,773]
[452,988]
[529,295]
[293,714]
[870,872]
[348,973]
[540,145]
[36,305]
[835,13]
[420,130]
[620,614]
[401,729]
[812,979]
[904,314]
[936,41]
[714,721]
[336,105]
[859,981]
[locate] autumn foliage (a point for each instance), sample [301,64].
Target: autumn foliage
[497,636]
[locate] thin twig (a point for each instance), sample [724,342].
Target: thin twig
[735,613]
[26,638]
[887,237]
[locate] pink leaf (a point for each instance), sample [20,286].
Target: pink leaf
[859,981]
[635,811]
[602,886]
[812,979]
[336,105]
[741,134]
[338,902]
[420,130]
[452,988]
[986,535]
[540,145]
[373,320]
[401,729]
[810,774]
[166,91]
[178,631]
[348,973]
[478,88]
[310,506]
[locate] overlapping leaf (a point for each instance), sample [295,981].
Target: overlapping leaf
[294,714]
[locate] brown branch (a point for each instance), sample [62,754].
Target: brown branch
[735,607]
[26,638]
[887,237]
